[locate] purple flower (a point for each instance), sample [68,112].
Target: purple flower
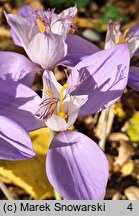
[72,157]
[69,165]
[18,104]
[37,30]
[129,36]
[94,82]
[43,38]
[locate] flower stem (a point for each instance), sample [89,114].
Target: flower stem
[104,129]
[57,196]
[6,191]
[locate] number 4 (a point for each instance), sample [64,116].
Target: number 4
[130,207]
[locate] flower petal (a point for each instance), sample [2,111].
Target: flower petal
[22,28]
[110,37]
[73,108]
[61,24]
[47,50]
[17,67]
[14,141]
[56,123]
[133,79]
[76,167]
[19,103]
[25,12]
[50,83]
[76,53]
[103,76]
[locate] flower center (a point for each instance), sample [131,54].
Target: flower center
[52,104]
[122,38]
[62,113]
[41,25]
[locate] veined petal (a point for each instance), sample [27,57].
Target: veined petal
[50,83]
[77,53]
[73,109]
[56,123]
[19,103]
[22,28]
[76,167]
[110,37]
[17,67]
[15,143]
[133,79]
[133,45]
[25,12]
[102,76]
[47,50]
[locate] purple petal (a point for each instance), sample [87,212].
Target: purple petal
[133,79]
[17,67]
[14,141]
[47,50]
[19,103]
[78,52]
[24,29]
[27,13]
[76,167]
[103,76]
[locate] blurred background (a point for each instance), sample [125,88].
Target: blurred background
[116,130]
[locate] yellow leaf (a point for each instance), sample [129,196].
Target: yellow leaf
[30,175]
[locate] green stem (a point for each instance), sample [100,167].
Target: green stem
[57,196]
[6,191]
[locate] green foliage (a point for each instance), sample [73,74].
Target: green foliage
[80,3]
[19,3]
[112,12]
[133,128]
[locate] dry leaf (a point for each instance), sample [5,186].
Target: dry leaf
[125,152]
[30,175]
[132,193]
[131,168]
[117,136]
[117,196]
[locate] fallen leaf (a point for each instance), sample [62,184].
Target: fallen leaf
[116,136]
[30,175]
[133,128]
[132,193]
[131,168]
[125,153]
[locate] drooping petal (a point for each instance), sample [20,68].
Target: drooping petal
[47,50]
[15,143]
[76,167]
[133,79]
[103,76]
[19,103]
[17,67]
[61,24]
[76,53]
[27,13]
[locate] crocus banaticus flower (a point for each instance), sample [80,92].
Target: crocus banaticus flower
[46,39]
[18,104]
[129,36]
[72,157]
